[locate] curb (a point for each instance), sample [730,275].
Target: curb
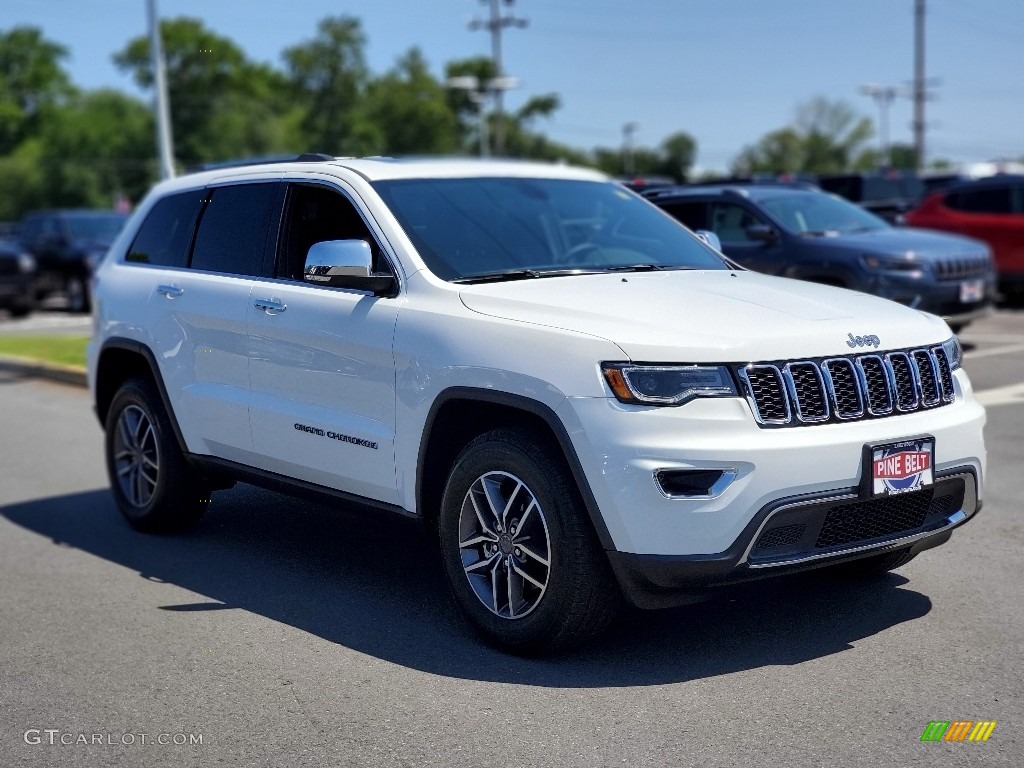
[26,367]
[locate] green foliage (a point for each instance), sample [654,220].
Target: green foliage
[410,109]
[329,78]
[31,81]
[222,105]
[673,158]
[826,137]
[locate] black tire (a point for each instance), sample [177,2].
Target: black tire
[21,310]
[163,494]
[877,565]
[580,596]
[76,289]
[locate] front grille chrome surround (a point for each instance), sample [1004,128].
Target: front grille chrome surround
[795,393]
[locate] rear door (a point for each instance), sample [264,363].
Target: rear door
[993,213]
[322,367]
[199,314]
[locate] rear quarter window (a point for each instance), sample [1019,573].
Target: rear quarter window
[164,236]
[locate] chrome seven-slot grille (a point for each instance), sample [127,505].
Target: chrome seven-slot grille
[834,389]
[962,267]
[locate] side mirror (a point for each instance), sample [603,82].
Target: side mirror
[761,232]
[710,238]
[345,264]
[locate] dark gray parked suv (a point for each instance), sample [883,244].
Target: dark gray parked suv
[812,235]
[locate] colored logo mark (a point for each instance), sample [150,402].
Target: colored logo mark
[958,730]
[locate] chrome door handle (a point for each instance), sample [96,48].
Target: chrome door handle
[170,291]
[270,306]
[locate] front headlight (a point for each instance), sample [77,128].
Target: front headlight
[26,263]
[890,263]
[667,384]
[954,352]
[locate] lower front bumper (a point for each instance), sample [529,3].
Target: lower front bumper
[801,533]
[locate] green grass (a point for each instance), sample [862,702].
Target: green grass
[66,350]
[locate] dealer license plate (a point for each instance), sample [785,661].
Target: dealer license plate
[901,467]
[972,291]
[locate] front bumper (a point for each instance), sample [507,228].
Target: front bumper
[622,448]
[938,297]
[800,533]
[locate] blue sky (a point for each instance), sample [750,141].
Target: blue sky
[726,71]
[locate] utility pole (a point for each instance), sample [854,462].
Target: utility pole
[164,140]
[919,84]
[496,24]
[629,148]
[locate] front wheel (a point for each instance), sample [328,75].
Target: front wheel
[154,487]
[520,554]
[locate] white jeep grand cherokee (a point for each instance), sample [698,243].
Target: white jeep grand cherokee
[584,400]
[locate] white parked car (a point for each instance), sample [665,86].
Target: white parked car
[582,398]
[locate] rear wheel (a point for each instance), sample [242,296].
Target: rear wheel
[154,487]
[76,289]
[520,554]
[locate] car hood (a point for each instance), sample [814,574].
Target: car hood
[716,316]
[900,241]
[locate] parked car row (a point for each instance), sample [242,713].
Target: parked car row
[804,233]
[54,252]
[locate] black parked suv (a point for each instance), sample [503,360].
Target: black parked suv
[66,244]
[887,194]
[17,277]
[812,235]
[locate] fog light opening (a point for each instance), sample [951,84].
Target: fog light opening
[694,483]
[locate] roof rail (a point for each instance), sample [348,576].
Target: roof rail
[306,157]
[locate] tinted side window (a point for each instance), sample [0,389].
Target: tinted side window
[693,215]
[233,229]
[730,222]
[985,200]
[314,214]
[164,236]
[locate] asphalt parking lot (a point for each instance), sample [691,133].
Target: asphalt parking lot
[287,634]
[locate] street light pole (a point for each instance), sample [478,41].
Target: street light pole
[884,95]
[164,139]
[629,148]
[495,25]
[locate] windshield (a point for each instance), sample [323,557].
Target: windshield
[101,227]
[815,213]
[466,228]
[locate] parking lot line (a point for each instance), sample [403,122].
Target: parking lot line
[1004,350]
[1014,393]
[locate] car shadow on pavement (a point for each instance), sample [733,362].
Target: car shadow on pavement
[372,582]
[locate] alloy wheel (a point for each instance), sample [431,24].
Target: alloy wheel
[136,456]
[505,545]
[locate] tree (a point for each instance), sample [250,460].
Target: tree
[329,79]
[410,110]
[31,81]
[222,105]
[826,137]
[673,158]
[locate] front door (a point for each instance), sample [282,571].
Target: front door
[321,368]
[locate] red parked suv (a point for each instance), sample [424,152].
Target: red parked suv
[989,209]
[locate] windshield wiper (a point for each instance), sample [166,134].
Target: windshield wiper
[523,274]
